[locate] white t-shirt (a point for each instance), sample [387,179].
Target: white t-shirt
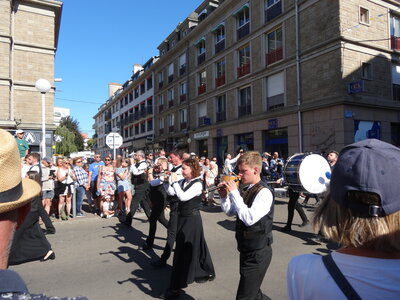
[371,278]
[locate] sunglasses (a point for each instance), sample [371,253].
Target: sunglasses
[66,163]
[107,159]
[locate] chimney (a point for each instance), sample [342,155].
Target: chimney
[136,67]
[112,88]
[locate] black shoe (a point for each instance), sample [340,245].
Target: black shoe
[159,263]
[286,229]
[305,223]
[205,279]
[51,256]
[145,247]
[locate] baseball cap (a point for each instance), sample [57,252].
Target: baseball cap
[193,154]
[19,131]
[368,166]
[47,159]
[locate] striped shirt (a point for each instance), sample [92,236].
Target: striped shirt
[81,176]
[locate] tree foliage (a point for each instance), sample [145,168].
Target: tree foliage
[67,144]
[73,126]
[91,144]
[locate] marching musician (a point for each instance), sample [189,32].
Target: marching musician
[141,185]
[175,158]
[254,208]
[158,199]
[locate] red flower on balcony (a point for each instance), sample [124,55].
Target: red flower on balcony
[243,70]
[201,89]
[220,80]
[274,56]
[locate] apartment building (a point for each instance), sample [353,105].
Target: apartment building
[28,42]
[129,111]
[279,75]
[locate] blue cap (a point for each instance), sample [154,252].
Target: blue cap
[368,166]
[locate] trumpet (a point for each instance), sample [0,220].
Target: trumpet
[224,178]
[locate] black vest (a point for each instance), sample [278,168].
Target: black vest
[139,179]
[192,206]
[258,235]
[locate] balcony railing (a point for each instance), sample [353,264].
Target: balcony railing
[220,46]
[201,58]
[137,115]
[160,107]
[171,128]
[243,70]
[201,89]
[182,98]
[244,110]
[182,70]
[161,131]
[160,84]
[149,110]
[395,42]
[142,112]
[170,78]
[170,103]
[183,125]
[221,116]
[273,11]
[203,121]
[274,56]
[220,80]
[243,31]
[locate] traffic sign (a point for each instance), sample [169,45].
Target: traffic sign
[114,140]
[30,137]
[57,138]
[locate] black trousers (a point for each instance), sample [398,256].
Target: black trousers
[158,199]
[253,267]
[171,229]
[141,196]
[292,205]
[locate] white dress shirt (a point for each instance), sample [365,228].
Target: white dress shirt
[234,205]
[195,190]
[140,169]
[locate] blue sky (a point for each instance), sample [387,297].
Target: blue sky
[99,42]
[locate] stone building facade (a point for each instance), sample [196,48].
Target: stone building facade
[279,75]
[28,43]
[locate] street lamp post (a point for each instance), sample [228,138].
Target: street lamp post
[43,86]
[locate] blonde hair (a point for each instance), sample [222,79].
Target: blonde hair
[250,158]
[347,228]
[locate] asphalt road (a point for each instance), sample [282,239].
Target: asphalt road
[98,258]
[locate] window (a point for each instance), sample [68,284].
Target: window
[395,32]
[161,125]
[183,118]
[274,46]
[366,71]
[220,73]
[170,97]
[219,36]
[142,88]
[366,130]
[137,129]
[396,82]
[170,73]
[201,51]
[143,127]
[243,61]
[244,103]
[160,103]
[182,91]
[171,122]
[220,108]
[149,124]
[202,77]
[273,8]
[364,16]
[149,81]
[275,91]
[160,79]
[243,21]
[182,64]
[136,93]
[202,114]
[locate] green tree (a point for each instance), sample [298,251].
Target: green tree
[73,126]
[67,144]
[91,144]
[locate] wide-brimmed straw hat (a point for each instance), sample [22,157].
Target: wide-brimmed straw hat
[14,190]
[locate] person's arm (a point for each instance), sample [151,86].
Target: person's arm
[72,173]
[122,175]
[59,175]
[195,190]
[98,177]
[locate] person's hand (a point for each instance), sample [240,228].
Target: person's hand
[231,185]
[174,177]
[223,193]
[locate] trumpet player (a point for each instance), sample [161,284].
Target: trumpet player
[158,199]
[254,210]
[175,158]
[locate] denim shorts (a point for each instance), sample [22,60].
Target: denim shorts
[48,194]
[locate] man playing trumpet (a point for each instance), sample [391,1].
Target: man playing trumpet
[254,210]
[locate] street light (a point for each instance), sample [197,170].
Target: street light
[43,86]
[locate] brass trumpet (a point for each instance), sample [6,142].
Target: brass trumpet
[225,178]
